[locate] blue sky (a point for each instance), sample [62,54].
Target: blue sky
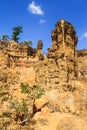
[38,18]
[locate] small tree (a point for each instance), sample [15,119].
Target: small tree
[5,37]
[16,31]
[27,43]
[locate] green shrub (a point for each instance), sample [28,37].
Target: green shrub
[6,114]
[18,107]
[25,89]
[39,91]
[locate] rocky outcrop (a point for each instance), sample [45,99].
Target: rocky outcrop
[40,103]
[61,76]
[57,121]
[60,67]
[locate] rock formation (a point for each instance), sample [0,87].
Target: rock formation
[60,76]
[61,66]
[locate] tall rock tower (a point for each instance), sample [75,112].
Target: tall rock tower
[59,68]
[62,53]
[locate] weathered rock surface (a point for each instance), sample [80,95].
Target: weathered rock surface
[72,124]
[58,121]
[40,103]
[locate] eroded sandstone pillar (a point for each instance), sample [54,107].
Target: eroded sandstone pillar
[64,41]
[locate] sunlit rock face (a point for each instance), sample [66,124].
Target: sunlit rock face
[59,68]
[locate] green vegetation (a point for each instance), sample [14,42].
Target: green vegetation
[15,35]
[29,43]
[19,107]
[6,114]
[16,31]
[36,90]
[5,37]
[25,89]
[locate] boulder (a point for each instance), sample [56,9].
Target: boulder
[40,103]
[68,102]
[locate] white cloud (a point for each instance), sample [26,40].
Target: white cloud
[35,9]
[83,36]
[42,21]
